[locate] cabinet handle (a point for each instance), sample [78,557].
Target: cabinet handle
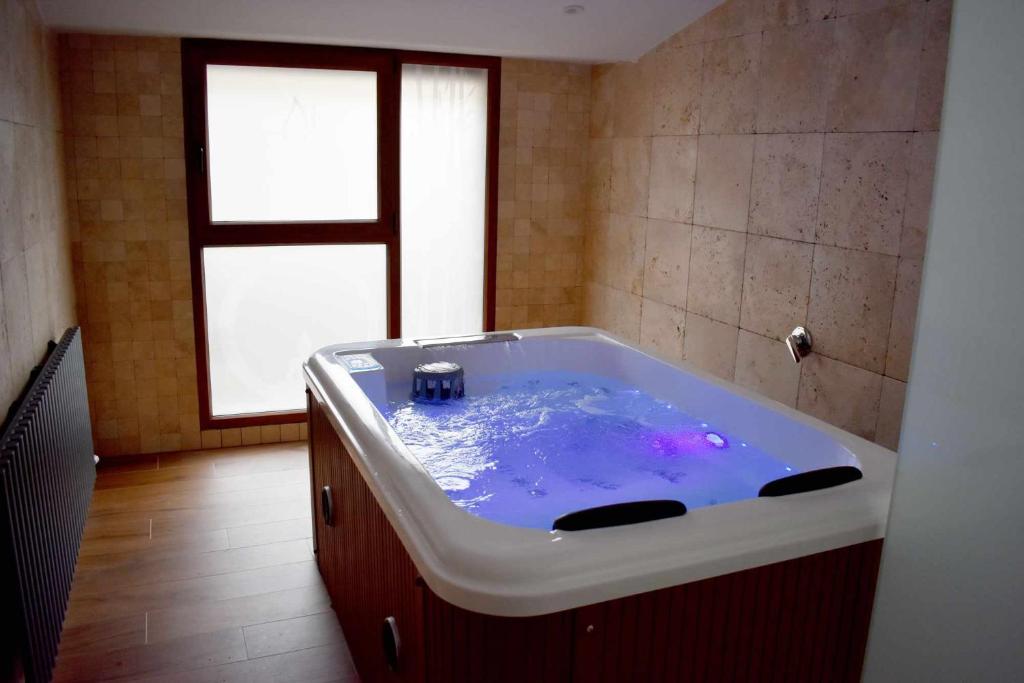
[327,505]
[392,643]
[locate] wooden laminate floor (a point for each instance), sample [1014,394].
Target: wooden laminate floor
[199,567]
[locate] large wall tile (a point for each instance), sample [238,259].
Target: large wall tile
[921,176]
[691,34]
[729,85]
[633,111]
[840,394]
[716,274]
[863,191]
[776,281]
[661,329]
[677,74]
[733,18]
[904,318]
[38,296]
[595,248]
[613,310]
[711,345]
[6,57]
[875,80]
[795,63]
[784,185]
[11,235]
[667,262]
[8,382]
[672,177]
[602,100]
[890,413]
[17,317]
[847,7]
[27,71]
[624,253]
[932,79]
[631,164]
[30,169]
[599,175]
[764,365]
[724,165]
[788,12]
[851,304]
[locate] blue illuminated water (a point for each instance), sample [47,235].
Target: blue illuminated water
[547,443]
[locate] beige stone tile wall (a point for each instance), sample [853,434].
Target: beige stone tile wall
[545,111]
[125,166]
[37,299]
[771,165]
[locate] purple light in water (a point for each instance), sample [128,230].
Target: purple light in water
[687,441]
[716,440]
[677,443]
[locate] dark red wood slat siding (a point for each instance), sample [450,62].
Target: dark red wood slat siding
[369,575]
[805,619]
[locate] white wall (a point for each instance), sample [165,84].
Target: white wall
[950,604]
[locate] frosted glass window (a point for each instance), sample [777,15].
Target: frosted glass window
[444,159]
[269,308]
[291,144]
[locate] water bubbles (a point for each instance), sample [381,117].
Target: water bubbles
[453,483]
[716,440]
[527,447]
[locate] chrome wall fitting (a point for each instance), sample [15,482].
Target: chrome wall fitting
[799,343]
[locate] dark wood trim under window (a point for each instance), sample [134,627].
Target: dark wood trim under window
[385,229]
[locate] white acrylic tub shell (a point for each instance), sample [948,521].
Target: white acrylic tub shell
[504,570]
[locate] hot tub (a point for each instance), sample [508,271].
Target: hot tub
[430,515]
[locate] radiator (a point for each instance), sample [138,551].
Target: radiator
[46,480]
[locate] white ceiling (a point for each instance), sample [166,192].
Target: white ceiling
[607,30]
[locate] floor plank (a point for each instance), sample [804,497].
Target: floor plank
[98,573]
[328,664]
[112,501]
[198,567]
[276,637]
[206,649]
[179,622]
[103,635]
[193,519]
[121,601]
[271,532]
[135,492]
[200,541]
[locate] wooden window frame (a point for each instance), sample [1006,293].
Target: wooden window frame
[196,54]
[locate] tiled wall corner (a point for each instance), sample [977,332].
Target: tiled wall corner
[37,298]
[545,117]
[771,165]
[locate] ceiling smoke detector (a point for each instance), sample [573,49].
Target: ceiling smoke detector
[574,9]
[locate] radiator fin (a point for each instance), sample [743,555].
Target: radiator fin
[46,480]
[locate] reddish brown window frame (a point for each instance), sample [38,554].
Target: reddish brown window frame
[196,54]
